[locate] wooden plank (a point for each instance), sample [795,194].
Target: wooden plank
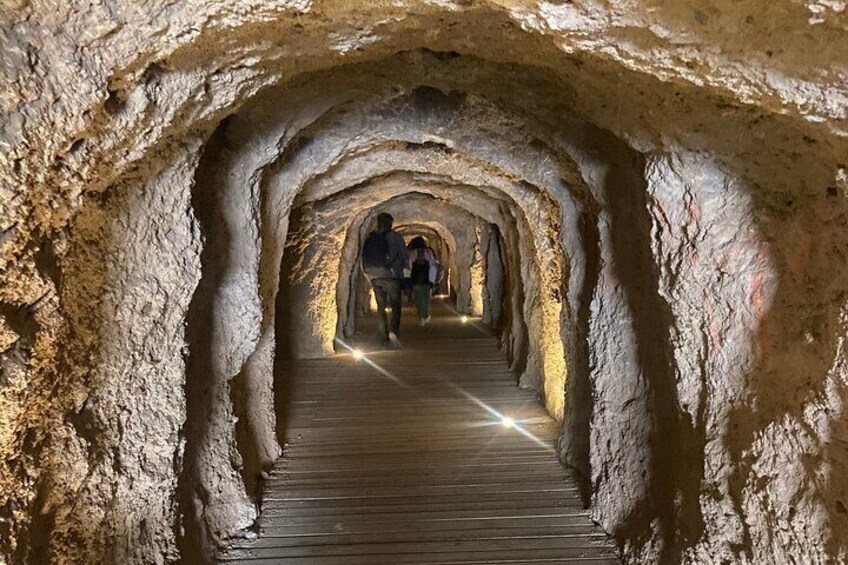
[361,504]
[576,546]
[376,472]
[562,556]
[423,490]
[539,524]
[268,539]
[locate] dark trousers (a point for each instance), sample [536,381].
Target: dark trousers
[421,292]
[387,293]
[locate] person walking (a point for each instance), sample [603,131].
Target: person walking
[384,257]
[423,274]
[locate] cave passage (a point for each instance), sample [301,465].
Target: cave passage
[430,454]
[641,208]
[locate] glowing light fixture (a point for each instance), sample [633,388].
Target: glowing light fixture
[507,422]
[358,354]
[464,319]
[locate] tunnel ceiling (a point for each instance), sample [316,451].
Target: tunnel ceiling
[187,186]
[173,73]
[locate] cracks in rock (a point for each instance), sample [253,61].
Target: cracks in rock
[41,529]
[251,467]
[22,322]
[115,102]
[47,263]
[200,384]
[674,480]
[575,442]
[430,100]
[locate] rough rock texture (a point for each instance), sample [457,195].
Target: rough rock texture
[321,265]
[668,180]
[116,411]
[491,252]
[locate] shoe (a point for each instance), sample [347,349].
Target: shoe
[422,322]
[425,321]
[394,342]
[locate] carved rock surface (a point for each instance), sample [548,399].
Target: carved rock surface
[646,200]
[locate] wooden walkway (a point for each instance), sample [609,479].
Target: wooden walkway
[404,457]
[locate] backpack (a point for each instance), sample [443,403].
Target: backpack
[420,271]
[437,273]
[376,259]
[420,274]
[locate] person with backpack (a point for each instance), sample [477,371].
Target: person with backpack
[384,257]
[424,268]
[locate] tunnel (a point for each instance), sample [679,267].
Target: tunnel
[640,208]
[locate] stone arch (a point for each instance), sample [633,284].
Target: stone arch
[705,214]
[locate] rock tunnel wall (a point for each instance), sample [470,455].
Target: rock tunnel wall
[129,272]
[668,180]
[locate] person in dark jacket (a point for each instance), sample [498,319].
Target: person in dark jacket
[387,282]
[423,267]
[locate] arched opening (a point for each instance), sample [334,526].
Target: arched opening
[652,229]
[434,238]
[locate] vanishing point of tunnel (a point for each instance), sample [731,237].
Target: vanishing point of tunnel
[637,352]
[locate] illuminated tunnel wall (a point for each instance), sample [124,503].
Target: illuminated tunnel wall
[645,200]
